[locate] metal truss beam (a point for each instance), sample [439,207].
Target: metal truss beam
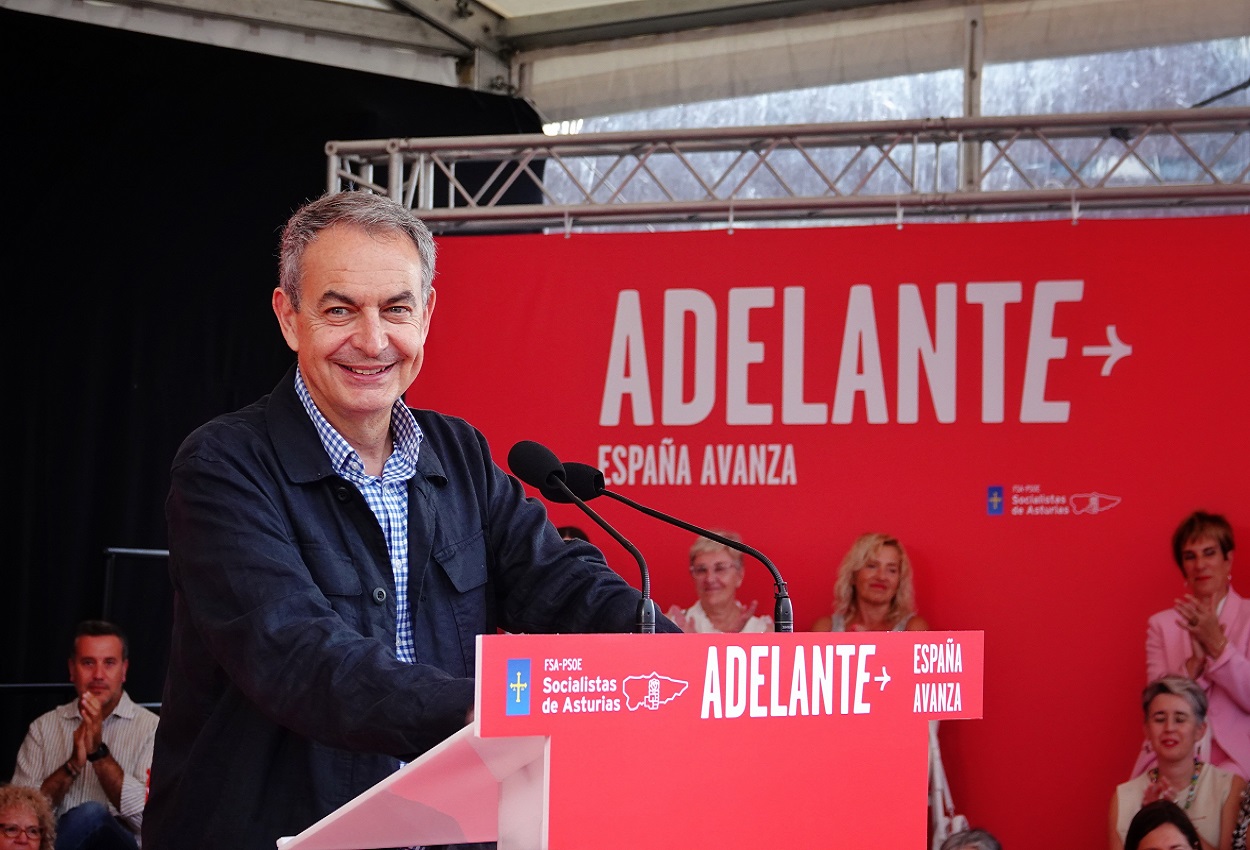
[811,172]
[476,26]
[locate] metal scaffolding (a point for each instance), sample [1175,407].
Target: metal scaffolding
[1047,164]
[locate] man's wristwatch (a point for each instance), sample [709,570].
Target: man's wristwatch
[99,752]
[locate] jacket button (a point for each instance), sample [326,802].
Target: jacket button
[342,494]
[379,594]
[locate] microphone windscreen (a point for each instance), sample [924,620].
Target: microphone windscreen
[584,480]
[534,463]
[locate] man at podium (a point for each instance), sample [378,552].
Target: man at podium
[335,554]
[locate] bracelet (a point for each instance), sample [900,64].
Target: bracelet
[69,768]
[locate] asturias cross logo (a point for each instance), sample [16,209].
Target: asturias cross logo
[518,701]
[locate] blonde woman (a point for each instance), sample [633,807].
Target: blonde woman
[874,591]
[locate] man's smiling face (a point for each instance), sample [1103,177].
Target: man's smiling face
[361,327]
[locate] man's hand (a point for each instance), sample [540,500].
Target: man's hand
[86,740]
[92,723]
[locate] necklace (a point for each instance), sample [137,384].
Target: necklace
[1193,782]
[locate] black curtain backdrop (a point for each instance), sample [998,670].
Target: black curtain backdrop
[147,180]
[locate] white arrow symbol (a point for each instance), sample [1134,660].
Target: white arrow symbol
[884,678]
[1113,351]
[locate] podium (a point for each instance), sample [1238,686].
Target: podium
[606,742]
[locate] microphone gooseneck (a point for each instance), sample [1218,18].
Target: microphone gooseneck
[538,467]
[586,482]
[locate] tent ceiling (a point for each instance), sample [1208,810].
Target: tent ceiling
[529,24]
[573,58]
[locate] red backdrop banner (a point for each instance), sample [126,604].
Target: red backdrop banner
[1030,407]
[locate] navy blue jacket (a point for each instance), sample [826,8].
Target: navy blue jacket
[284,698]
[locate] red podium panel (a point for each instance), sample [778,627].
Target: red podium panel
[606,741]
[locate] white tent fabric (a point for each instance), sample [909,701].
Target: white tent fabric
[341,51]
[862,44]
[589,78]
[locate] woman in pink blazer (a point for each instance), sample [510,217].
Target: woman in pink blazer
[1206,636]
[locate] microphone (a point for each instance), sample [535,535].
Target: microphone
[537,466]
[585,482]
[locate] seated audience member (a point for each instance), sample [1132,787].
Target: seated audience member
[572,532]
[971,839]
[26,819]
[1175,713]
[1206,636]
[1161,825]
[873,591]
[91,756]
[717,573]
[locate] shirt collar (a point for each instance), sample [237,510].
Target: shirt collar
[345,460]
[125,707]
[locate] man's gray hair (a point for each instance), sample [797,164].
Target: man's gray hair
[375,214]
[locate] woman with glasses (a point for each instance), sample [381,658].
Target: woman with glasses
[717,573]
[873,591]
[26,819]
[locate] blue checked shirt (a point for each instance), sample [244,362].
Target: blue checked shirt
[387,496]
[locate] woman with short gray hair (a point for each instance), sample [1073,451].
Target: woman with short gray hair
[1174,710]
